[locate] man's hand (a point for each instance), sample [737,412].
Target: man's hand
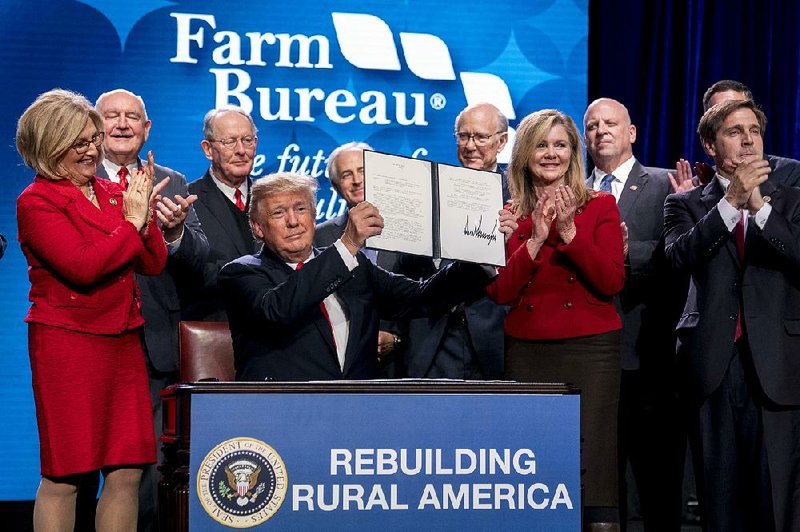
[364,220]
[385,344]
[682,181]
[756,201]
[744,180]
[624,228]
[508,223]
[705,173]
[172,214]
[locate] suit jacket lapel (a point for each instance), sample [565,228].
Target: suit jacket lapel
[634,187]
[712,194]
[272,260]
[101,172]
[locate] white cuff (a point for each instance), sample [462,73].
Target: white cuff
[350,261]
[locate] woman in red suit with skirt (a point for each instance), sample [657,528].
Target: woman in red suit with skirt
[83,239]
[564,266]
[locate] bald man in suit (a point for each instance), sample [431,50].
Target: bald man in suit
[649,434]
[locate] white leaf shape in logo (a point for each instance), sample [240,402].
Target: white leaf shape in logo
[481,87]
[504,157]
[366,41]
[427,56]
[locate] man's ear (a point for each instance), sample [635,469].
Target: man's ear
[709,147]
[206,146]
[503,141]
[255,227]
[632,130]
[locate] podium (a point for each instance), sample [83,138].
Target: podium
[371,455]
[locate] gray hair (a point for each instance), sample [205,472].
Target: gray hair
[502,120]
[208,120]
[333,172]
[99,101]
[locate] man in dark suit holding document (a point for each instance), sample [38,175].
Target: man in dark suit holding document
[297,313]
[346,172]
[464,341]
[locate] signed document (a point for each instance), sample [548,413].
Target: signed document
[435,210]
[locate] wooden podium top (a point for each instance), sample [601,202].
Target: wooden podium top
[373,386]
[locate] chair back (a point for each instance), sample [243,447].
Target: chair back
[206,351]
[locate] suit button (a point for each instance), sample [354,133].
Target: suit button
[571,279]
[732,317]
[528,284]
[568,305]
[529,308]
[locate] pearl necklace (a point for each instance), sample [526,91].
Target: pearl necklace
[90,197]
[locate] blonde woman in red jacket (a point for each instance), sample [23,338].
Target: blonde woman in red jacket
[83,240]
[564,266]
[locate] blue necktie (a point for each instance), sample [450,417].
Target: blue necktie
[605,184]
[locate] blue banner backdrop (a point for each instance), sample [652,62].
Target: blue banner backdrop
[385,462]
[315,75]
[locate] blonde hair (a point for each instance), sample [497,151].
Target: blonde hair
[280,183]
[50,126]
[533,129]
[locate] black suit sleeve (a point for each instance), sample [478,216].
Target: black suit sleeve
[193,249]
[691,243]
[399,297]
[273,296]
[780,239]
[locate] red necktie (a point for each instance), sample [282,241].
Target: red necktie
[321,305]
[238,196]
[740,237]
[739,233]
[123,177]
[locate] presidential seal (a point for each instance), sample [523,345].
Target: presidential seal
[242,482]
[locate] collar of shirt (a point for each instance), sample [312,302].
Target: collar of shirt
[230,192]
[621,174]
[724,182]
[113,168]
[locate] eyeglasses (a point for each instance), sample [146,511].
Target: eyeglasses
[480,139]
[82,146]
[248,141]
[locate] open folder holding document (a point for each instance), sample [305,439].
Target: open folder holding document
[435,210]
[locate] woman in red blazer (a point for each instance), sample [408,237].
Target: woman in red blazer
[83,240]
[564,266]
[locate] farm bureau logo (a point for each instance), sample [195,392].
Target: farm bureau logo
[242,482]
[365,41]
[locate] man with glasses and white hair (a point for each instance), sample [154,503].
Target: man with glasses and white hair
[466,341]
[481,134]
[223,196]
[127,128]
